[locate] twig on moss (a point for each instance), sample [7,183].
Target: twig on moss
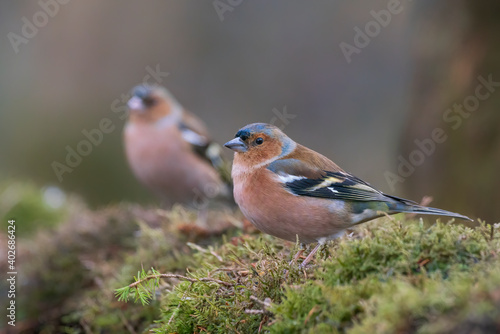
[266,302]
[264,319]
[255,311]
[203,250]
[194,280]
[144,287]
[315,309]
[227,269]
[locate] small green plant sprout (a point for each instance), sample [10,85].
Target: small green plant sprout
[146,284]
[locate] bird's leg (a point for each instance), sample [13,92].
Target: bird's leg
[311,255]
[302,247]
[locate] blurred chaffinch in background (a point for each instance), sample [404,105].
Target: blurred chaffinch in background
[294,193]
[170,150]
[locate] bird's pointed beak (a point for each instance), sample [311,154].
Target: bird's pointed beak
[141,94]
[236,145]
[136,103]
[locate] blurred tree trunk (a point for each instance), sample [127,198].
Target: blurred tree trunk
[457,43]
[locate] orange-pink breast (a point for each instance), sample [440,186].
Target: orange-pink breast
[164,162]
[274,210]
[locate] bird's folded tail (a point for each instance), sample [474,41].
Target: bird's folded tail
[409,207]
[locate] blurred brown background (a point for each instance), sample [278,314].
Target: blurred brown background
[237,62]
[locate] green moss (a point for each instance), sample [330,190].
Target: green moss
[32,208]
[436,305]
[395,248]
[391,276]
[388,276]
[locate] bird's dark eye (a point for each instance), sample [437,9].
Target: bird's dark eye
[149,101]
[259,141]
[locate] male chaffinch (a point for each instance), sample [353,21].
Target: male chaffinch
[289,191]
[170,151]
